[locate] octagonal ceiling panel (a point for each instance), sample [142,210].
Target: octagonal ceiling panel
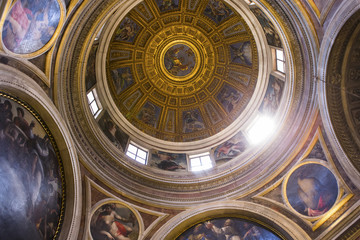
[182,70]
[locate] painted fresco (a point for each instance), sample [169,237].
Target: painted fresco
[192,121]
[230,149]
[114,221]
[149,114]
[241,53]
[179,60]
[30,179]
[312,189]
[30,24]
[271,34]
[122,79]
[127,31]
[229,229]
[228,97]
[168,161]
[217,11]
[273,96]
[167,5]
[118,137]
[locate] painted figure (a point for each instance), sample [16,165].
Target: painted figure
[217,11]
[30,25]
[227,229]
[231,148]
[110,225]
[122,78]
[192,122]
[127,30]
[252,232]
[29,177]
[312,190]
[315,196]
[179,60]
[241,53]
[272,36]
[229,97]
[273,96]
[168,161]
[113,132]
[167,5]
[148,114]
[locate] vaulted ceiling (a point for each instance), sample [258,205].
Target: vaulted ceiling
[186,82]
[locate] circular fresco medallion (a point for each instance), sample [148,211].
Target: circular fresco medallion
[311,189]
[30,25]
[179,60]
[114,221]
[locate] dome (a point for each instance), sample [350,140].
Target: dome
[184,73]
[184,83]
[181,72]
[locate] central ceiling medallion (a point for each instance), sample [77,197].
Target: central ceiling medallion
[180,60]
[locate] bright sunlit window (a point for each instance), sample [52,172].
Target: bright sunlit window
[200,162]
[280,60]
[261,129]
[136,153]
[93,102]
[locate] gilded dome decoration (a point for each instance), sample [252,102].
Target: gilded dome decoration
[182,71]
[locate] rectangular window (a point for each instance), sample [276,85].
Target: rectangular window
[280,60]
[200,162]
[93,102]
[136,153]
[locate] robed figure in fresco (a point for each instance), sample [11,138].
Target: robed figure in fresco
[30,182]
[312,189]
[108,224]
[227,229]
[30,25]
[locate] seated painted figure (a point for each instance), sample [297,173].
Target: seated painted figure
[108,225]
[316,197]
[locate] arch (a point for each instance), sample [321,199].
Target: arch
[344,20]
[267,217]
[22,86]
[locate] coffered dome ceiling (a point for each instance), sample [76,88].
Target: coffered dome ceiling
[182,70]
